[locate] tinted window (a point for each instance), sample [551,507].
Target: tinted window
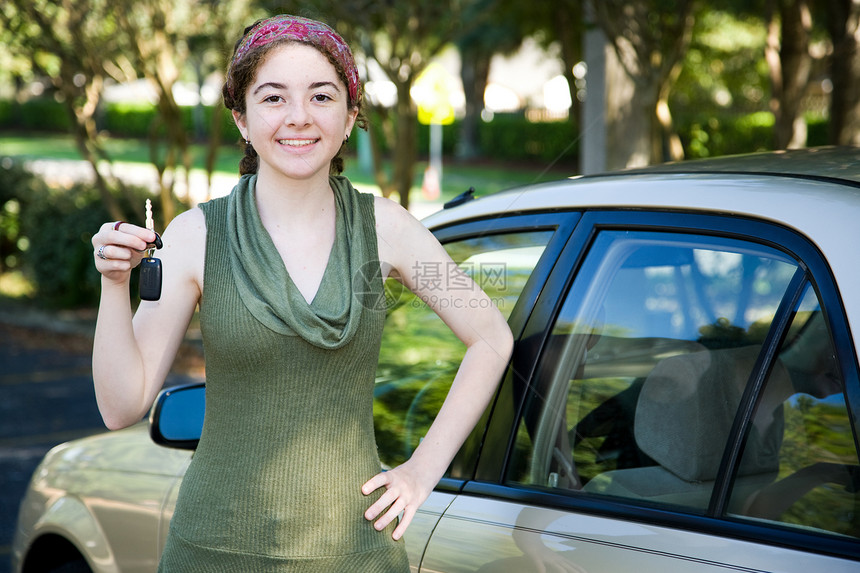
[814,480]
[646,366]
[420,355]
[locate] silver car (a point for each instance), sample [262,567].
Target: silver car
[684,393]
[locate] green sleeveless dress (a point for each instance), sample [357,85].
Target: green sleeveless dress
[288,439]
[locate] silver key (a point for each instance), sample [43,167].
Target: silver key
[150,224]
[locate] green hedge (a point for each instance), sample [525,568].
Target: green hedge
[506,137]
[119,119]
[136,120]
[128,119]
[512,137]
[41,114]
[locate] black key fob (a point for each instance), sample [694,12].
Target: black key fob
[150,278]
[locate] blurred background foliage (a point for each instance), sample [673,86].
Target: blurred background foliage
[684,79]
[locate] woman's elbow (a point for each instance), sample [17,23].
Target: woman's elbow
[501,340]
[115,419]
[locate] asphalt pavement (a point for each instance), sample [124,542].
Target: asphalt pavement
[48,398]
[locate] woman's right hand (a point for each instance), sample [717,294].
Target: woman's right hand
[119,247]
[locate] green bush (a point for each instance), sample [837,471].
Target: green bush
[509,136]
[18,190]
[5,113]
[726,134]
[46,231]
[450,137]
[818,131]
[60,255]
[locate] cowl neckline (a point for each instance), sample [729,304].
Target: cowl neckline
[331,319]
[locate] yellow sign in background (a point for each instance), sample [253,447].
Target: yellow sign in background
[432,92]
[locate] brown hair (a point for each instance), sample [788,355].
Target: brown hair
[241,75]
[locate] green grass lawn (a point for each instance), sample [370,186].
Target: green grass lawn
[486,177]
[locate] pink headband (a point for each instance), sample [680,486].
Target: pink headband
[301,30]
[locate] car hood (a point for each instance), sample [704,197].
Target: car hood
[129,450]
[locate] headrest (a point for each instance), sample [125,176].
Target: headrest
[687,407]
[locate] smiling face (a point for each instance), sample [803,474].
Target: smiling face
[297,113]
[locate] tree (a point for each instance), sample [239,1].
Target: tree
[154,31]
[70,42]
[790,63]
[403,38]
[724,80]
[558,24]
[843,26]
[80,44]
[500,32]
[210,51]
[160,35]
[649,39]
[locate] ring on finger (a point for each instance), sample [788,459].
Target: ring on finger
[101,253]
[117,224]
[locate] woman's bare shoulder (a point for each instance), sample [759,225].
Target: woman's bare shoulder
[192,221]
[391,216]
[185,243]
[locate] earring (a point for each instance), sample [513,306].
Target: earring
[346,139]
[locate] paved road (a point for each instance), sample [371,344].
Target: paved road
[47,399]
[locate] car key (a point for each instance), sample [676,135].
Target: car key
[150,267]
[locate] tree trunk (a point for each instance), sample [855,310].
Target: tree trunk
[213,147]
[405,152]
[648,48]
[84,132]
[474,72]
[569,31]
[789,71]
[379,116]
[669,142]
[628,119]
[843,24]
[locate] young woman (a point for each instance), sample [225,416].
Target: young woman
[286,476]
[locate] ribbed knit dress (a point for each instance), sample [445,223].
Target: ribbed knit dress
[288,440]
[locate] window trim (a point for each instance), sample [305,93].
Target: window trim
[562,224]
[739,432]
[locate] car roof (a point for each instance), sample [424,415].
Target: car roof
[813,191]
[823,163]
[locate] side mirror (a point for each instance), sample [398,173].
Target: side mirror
[176,419]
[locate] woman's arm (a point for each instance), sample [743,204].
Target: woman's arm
[406,245]
[132,355]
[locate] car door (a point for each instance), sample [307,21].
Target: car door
[678,401]
[509,257]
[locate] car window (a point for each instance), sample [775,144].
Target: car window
[420,355]
[813,480]
[643,305]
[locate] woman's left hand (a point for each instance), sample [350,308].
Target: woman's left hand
[405,491]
